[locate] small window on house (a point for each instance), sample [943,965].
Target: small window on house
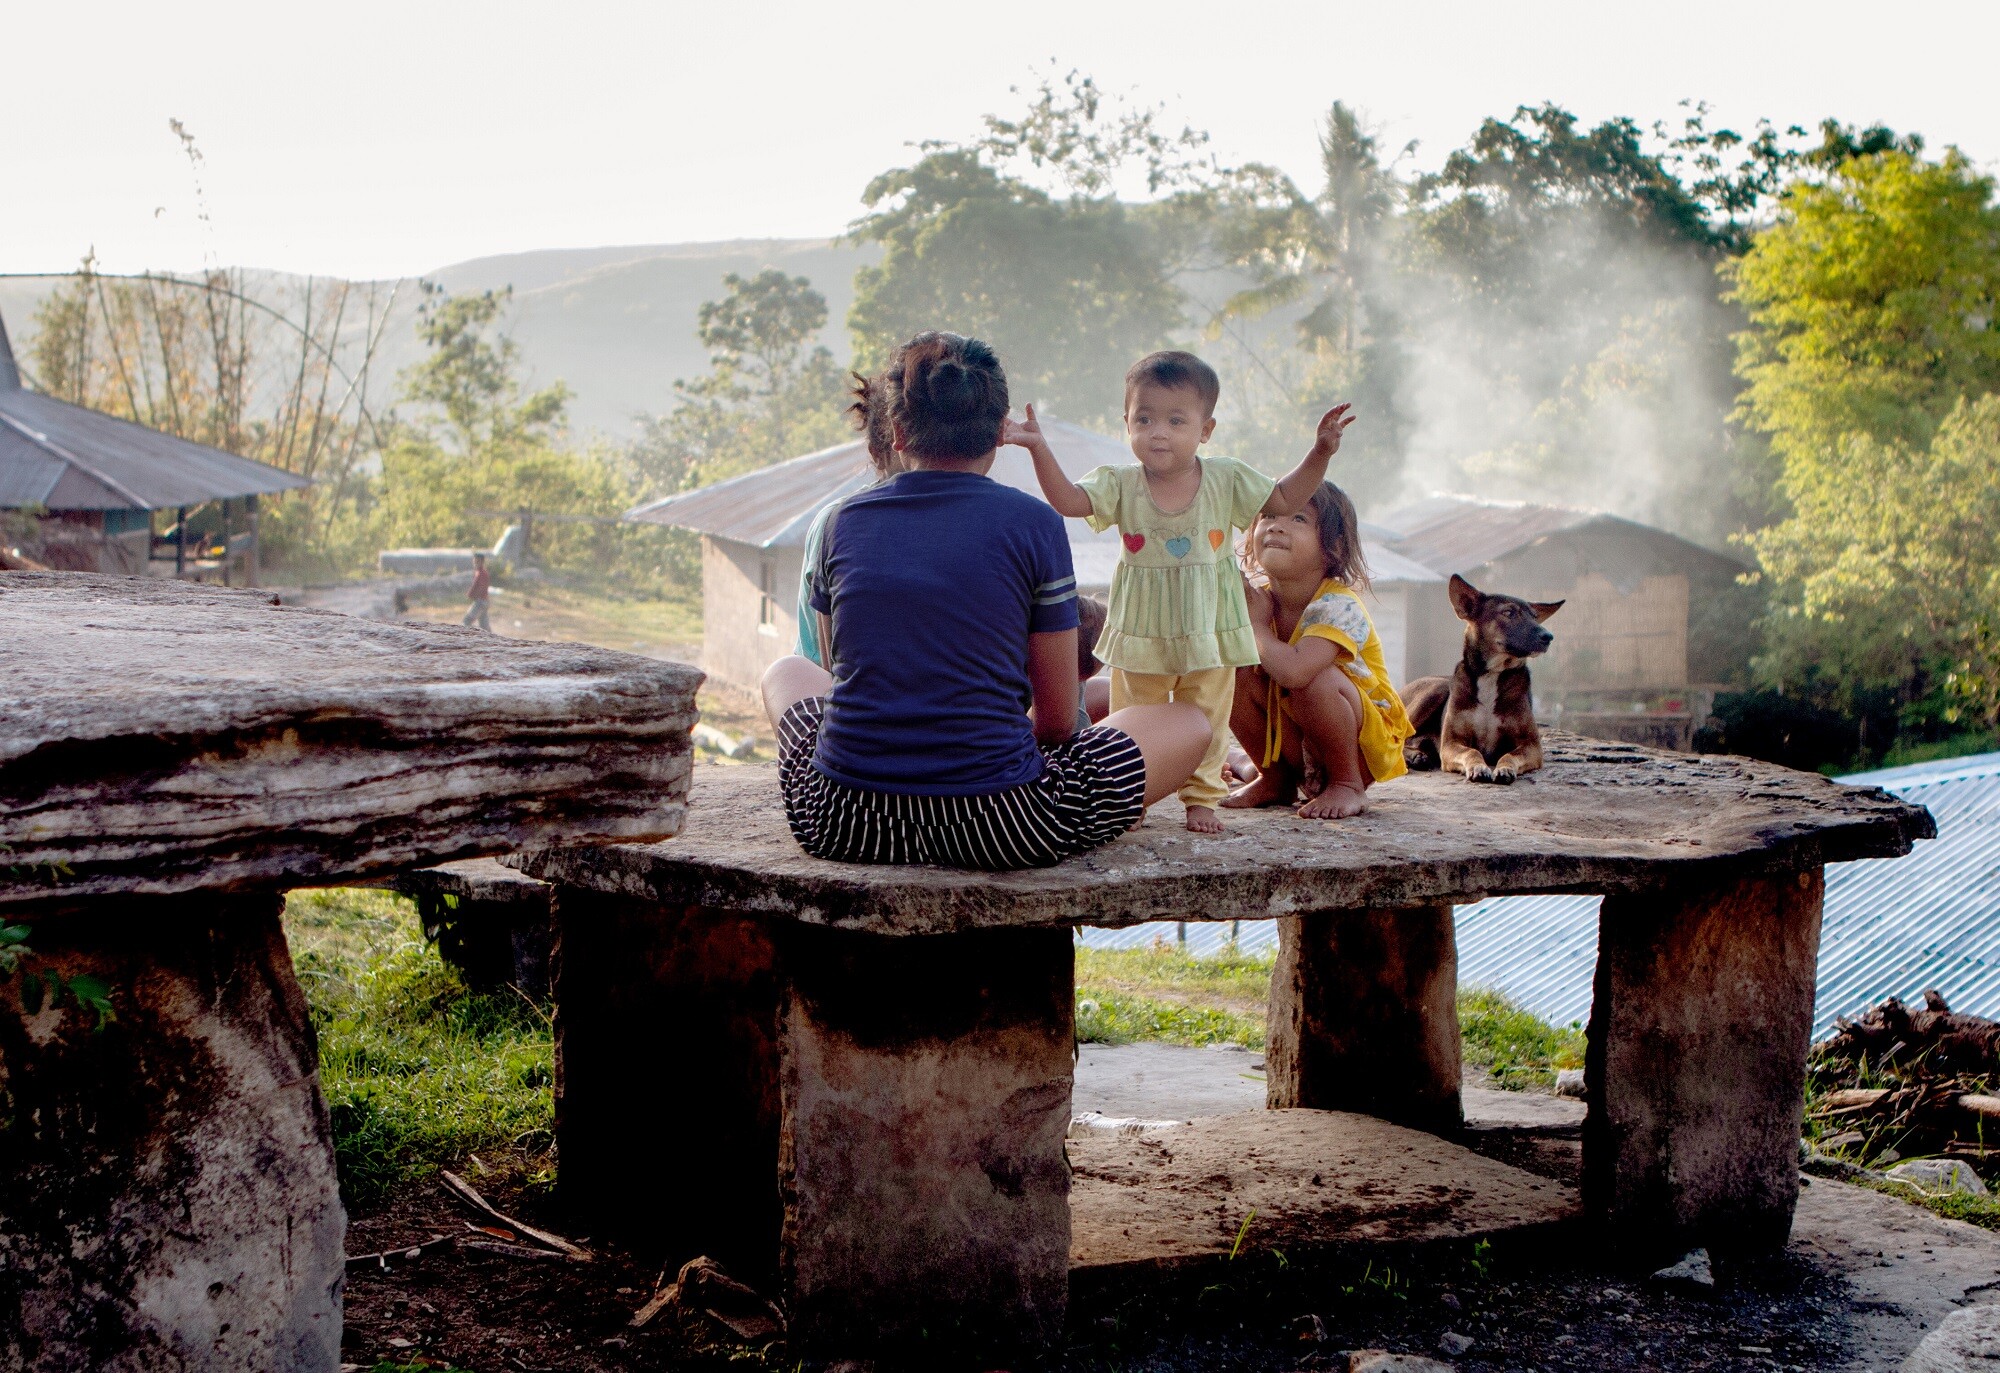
[767,610]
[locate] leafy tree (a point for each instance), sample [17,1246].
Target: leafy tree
[1566,339]
[1892,559]
[770,394]
[1871,362]
[1022,237]
[1873,302]
[1321,262]
[470,376]
[1068,291]
[486,445]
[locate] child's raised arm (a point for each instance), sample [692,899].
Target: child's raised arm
[1065,495]
[1299,484]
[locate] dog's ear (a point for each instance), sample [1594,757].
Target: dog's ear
[1465,597]
[1544,609]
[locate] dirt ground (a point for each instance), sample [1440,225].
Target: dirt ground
[1522,1305]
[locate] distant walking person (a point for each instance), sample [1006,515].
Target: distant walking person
[482,590]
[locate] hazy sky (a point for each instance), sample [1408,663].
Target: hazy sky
[370,138]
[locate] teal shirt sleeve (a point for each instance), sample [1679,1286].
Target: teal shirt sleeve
[808,617]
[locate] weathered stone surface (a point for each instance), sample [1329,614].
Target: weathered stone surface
[1600,817]
[490,922]
[160,737]
[1382,1361]
[167,1192]
[1939,1175]
[1967,1342]
[1692,1270]
[666,1043]
[926,1091]
[1316,1179]
[1364,1015]
[1699,1027]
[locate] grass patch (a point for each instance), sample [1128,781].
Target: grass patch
[1981,1211]
[418,1072]
[1109,1017]
[1517,1047]
[1163,995]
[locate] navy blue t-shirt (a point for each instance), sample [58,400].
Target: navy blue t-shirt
[934,581]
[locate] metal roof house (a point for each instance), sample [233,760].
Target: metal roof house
[1651,622]
[1892,926]
[753,533]
[93,482]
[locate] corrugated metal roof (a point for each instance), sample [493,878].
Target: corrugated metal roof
[774,506]
[1386,565]
[65,457]
[1892,926]
[1450,534]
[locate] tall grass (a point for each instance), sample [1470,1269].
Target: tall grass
[418,1072]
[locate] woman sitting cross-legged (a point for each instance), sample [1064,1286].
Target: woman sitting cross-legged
[946,731]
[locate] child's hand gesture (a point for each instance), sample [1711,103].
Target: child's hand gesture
[1025,433]
[1258,598]
[1331,426]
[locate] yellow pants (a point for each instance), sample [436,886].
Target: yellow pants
[1213,690]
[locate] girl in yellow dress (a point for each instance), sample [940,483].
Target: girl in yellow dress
[1318,710]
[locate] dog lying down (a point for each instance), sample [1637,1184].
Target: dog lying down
[1480,721]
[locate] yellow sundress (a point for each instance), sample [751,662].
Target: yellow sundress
[1336,614]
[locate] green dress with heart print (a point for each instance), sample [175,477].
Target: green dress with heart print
[1177,596]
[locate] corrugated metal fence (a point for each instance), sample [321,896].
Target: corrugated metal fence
[1894,926]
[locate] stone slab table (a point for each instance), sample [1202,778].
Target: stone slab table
[870,1067]
[173,758]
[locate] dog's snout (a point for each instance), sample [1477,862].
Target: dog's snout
[1544,638]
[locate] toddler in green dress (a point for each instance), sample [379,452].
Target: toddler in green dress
[1178,625]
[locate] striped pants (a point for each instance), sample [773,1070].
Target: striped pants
[1092,789]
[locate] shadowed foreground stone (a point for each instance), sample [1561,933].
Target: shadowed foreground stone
[894,1107]
[172,758]
[489,922]
[1315,1179]
[167,1190]
[1364,1015]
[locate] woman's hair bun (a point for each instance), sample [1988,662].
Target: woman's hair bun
[953,397]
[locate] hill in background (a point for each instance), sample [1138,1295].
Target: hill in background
[617,324]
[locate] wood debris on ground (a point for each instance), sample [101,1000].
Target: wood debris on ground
[702,1287]
[1897,1082]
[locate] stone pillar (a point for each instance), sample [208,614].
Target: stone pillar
[926,1085]
[167,1190]
[1696,1063]
[1364,1016]
[666,1078]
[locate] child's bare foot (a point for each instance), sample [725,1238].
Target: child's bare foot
[1272,788]
[1203,820]
[1335,802]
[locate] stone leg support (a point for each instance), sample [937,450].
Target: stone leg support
[1364,1015]
[167,1189]
[926,1085]
[667,1078]
[1696,1064]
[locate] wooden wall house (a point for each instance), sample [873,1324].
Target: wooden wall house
[1648,631]
[86,490]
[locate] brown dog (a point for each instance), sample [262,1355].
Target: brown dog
[1480,721]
